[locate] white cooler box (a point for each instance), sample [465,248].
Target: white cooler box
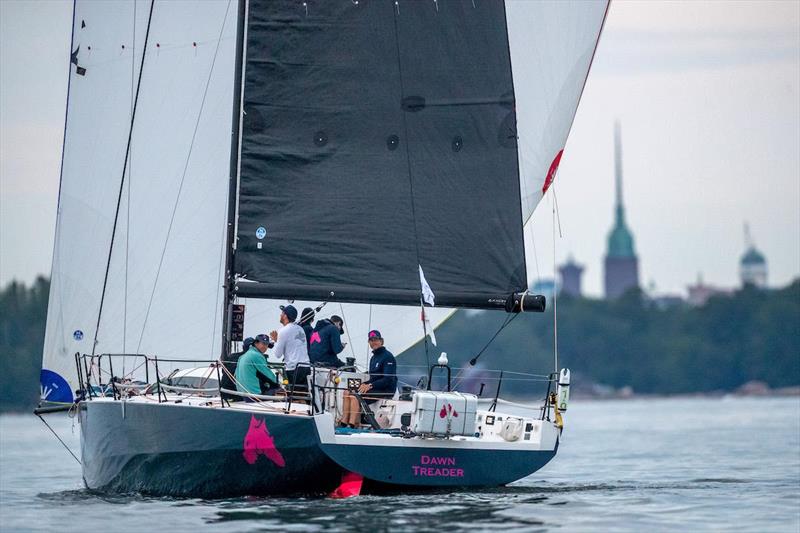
[443,413]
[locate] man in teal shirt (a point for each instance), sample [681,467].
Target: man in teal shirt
[251,364]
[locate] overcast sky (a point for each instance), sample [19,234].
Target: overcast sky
[707,93]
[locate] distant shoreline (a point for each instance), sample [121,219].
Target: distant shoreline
[746,391]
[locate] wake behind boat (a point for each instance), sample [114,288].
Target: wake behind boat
[379,159]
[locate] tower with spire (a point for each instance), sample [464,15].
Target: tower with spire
[621,263]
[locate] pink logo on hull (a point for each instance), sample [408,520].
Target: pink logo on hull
[258,441]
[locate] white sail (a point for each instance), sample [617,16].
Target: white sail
[166,304]
[162,286]
[552,44]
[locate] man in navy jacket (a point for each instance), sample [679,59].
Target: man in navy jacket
[326,342]
[381,384]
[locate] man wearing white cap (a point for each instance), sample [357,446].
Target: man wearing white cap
[291,346]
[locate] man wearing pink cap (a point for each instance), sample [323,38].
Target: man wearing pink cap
[381,384]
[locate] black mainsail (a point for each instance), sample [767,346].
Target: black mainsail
[378,137]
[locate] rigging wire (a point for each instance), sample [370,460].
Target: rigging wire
[535,257]
[555,283]
[506,321]
[55,277]
[64,444]
[122,179]
[349,340]
[219,286]
[128,208]
[183,176]
[369,328]
[410,179]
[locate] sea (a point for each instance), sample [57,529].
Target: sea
[688,464]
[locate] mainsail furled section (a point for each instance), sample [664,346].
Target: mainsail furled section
[378,138]
[552,45]
[162,282]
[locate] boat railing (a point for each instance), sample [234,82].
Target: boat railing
[93,368]
[246,395]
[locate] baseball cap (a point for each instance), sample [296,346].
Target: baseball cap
[290,311]
[307,316]
[262,338]
[375,334]
[338,322]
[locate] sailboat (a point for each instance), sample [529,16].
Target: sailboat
[223,157]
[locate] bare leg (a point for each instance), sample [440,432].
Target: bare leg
[345,408]
[355,412]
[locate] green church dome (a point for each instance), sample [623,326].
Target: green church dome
[753,257]
[620,239]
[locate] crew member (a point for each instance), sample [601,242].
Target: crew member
[251,365]
[381,384]
[229,364]
[305,322]
[326,342]
[290,345]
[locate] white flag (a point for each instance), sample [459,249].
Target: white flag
[428,327]
[427,293]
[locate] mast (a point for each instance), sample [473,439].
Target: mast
[233,180]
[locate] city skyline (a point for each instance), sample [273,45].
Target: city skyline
[707,95]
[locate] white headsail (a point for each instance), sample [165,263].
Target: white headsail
[175,185]
[552,45]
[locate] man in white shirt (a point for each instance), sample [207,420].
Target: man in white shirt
[290,345]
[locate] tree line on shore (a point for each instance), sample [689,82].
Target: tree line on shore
[633,342]
[750,335]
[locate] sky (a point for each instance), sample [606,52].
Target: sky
[707,95]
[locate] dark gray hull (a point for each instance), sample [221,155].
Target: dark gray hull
[435,467]
[179,450]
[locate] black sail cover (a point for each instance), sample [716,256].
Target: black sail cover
[378,136]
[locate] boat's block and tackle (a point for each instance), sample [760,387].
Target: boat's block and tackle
[443,413]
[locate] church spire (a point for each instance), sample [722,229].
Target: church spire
[619,209]
[620,240]
[621,263]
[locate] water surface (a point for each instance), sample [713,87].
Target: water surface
[729,464]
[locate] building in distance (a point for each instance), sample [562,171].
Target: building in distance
[753,265]
[700,292]
[571,273]
[621,263]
